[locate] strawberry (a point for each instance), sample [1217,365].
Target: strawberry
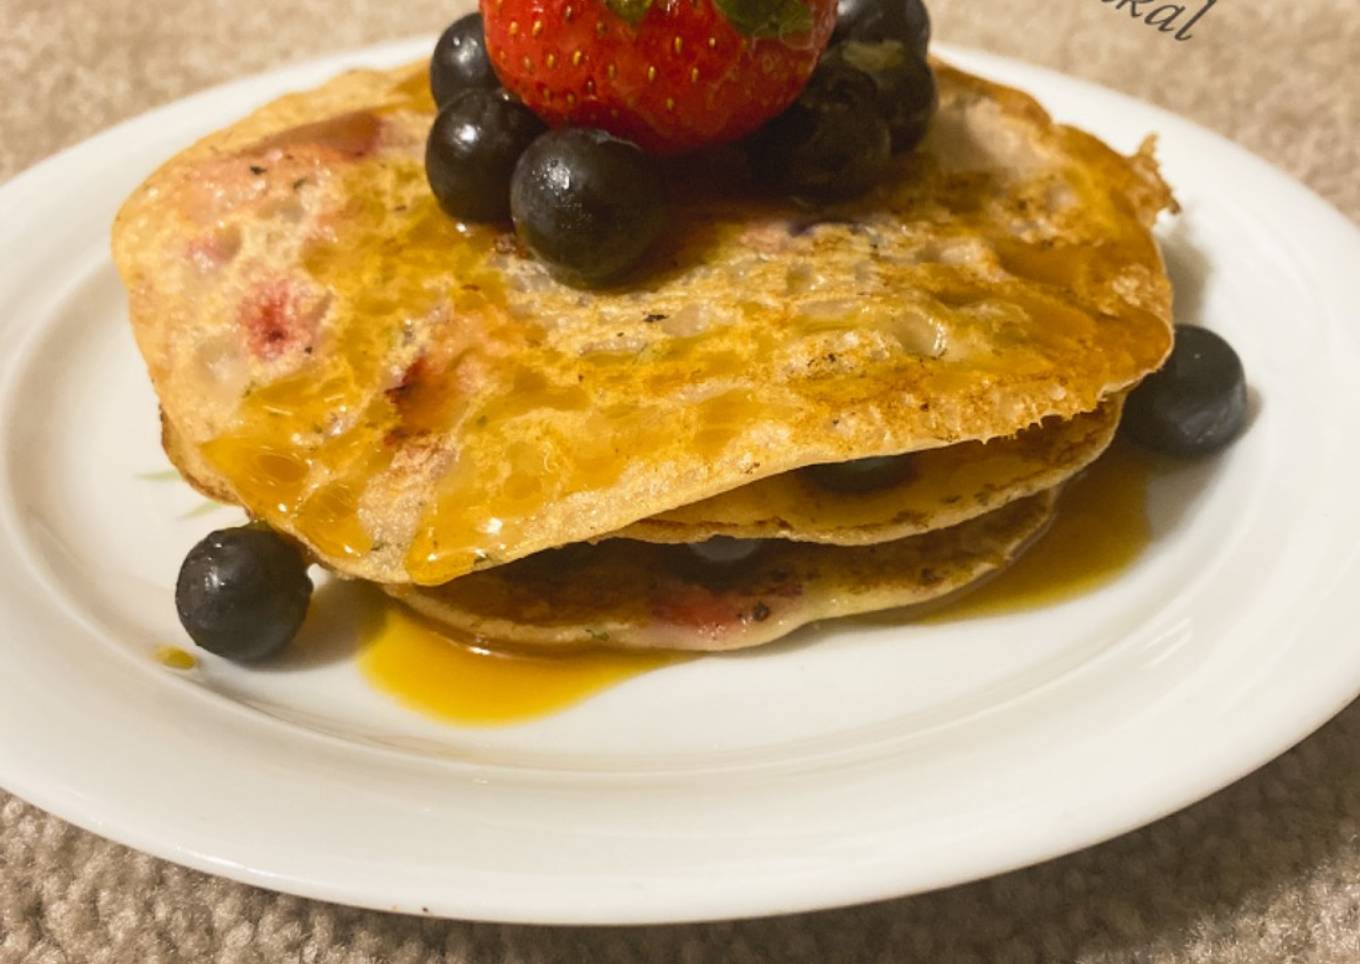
[672,75]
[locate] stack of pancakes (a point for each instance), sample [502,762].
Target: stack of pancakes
[420,404]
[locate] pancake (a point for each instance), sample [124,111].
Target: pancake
[942,487]
[636,595]
[412,398]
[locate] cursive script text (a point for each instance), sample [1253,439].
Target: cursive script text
[1172,18]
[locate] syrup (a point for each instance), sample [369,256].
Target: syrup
[172,657]
[1100,529]
[460,680]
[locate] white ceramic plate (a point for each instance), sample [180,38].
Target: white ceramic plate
[855,762]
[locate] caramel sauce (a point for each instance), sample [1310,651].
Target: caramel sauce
[1100,529]
[462,681]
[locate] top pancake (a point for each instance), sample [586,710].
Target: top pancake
[412,397]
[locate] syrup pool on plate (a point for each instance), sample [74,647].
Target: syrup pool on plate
[1100,529]
[462,681]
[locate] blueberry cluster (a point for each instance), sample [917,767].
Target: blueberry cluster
[590,205]
[872,95]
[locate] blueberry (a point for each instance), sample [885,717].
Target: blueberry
[723,551]
[832,144]
[861,475]
[587,204]
[906,21]
[243,593]
[472,150]
[715,562]
[1197,402]
[907,97]
[460,61]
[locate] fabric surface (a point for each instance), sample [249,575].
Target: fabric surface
[1267,870]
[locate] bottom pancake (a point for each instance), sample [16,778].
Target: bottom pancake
[636,595]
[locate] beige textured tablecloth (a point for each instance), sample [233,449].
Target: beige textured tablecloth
[1268,870]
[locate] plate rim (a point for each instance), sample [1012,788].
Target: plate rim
[68,806]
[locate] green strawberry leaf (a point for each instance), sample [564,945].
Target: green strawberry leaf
[766,18]
[630,10]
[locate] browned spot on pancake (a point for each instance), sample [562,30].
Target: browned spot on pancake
[409,379]
[784,588]
[429,393]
